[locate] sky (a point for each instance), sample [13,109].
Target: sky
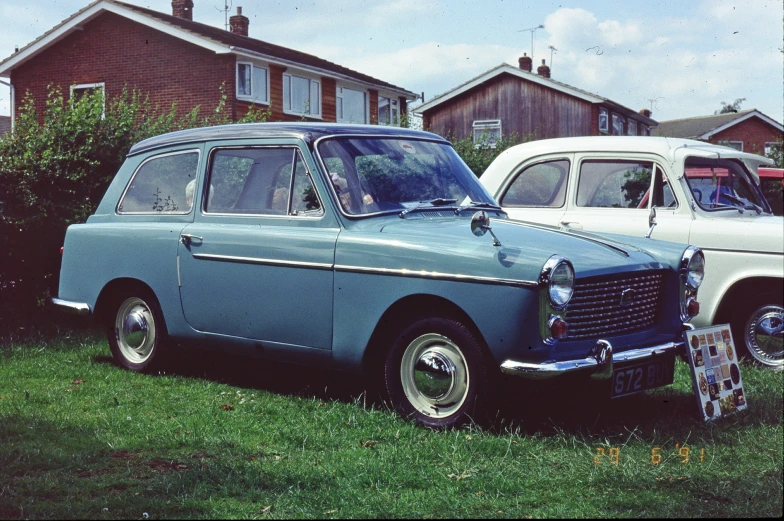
[677,58]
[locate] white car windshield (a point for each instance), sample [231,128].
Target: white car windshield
[379,175]
[723,184]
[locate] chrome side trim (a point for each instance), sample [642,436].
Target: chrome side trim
[265,262]
[592,363]
[76,308]
[398,272]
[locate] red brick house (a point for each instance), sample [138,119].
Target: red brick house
[747,130]
[110,45]
[510,100]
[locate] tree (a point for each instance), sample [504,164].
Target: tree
[726,108]
[55,168]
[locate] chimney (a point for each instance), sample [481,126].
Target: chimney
[543,70]
[238,23]
[645,112]
[182,9]
[526,62]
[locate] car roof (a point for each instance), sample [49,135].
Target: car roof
[672,149]
[308,132]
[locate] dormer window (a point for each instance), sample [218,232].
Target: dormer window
[252,83]
[604,125]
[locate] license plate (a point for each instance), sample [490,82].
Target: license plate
[637,378]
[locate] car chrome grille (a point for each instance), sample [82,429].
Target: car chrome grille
[595,308]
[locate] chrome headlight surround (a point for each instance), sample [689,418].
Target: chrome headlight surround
[556,287]
[692,273]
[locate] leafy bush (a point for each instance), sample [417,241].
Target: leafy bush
[479,155]
[55,167]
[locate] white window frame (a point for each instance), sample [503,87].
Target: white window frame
[482,125]
[732,143]
[606,113]
[287,95]
[339,106]
[86,86]
[621,120]
[770,145]
[394,115]
[253,97]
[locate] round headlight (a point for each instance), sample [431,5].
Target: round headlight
[695,271]
[561,285]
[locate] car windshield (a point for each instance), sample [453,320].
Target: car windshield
[723,184]
[374,175]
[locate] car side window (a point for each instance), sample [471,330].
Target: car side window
[162,185]
[613,184]
[542,184]
[259,181]
[663,196]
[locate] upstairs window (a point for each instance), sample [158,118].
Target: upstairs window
[388,111]
[351,105]
[631,129]
[301,96]
[617,125]
[252,83]
[604,125]
[486,132]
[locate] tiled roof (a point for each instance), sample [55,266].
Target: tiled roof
[697,126]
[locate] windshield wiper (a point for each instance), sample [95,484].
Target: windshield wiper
[476,204]
[439,201]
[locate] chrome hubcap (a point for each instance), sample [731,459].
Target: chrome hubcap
[765,335]
[434,375]
[135,330]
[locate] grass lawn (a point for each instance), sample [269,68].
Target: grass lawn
[225,437]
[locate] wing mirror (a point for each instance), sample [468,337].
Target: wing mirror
[480,224]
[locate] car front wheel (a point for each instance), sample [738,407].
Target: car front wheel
[437,374]
[760,332]
[136,333]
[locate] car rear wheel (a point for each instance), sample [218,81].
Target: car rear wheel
[136,332]
[437,374]
[759,332]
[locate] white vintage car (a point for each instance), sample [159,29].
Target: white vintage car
[672,189]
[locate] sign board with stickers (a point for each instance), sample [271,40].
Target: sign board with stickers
[715,371]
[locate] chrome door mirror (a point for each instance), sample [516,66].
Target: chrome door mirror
[480,224]
[651,222]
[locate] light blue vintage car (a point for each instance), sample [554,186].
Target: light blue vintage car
[372,250]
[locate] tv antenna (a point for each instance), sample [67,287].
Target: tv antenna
[533,30]
[653,101]
[227,5]
[552,50]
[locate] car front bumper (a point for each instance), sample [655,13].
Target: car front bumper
[75,308]
[598,363]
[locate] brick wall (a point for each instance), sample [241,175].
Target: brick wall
[754,133]
[120,53]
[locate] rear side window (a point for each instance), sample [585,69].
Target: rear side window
[613,184]
[539,185]
[162,185]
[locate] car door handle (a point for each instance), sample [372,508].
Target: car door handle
[187,238]
[572,224]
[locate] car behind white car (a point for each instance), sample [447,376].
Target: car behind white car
[672,189]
